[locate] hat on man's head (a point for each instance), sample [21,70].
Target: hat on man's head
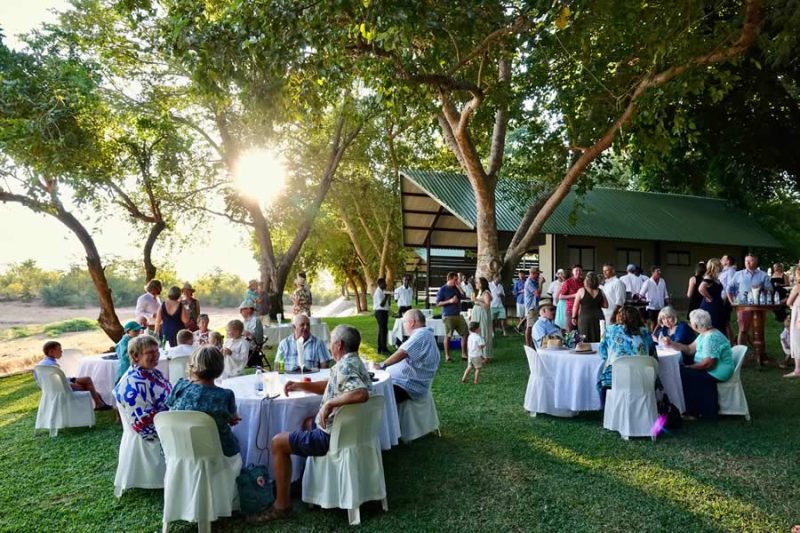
[546,305]
[132,325]
[188,287]
[247,304]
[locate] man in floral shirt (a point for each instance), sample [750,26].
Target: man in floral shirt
[349,382]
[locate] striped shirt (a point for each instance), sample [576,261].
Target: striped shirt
[415,372]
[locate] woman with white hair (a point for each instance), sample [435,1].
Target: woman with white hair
[672,328]
[712,363]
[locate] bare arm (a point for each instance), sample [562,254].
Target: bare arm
[692,283]
[396,357]
[354,396]
[703,290]
[576,309]
[793,295]
[157,328]
[314,387]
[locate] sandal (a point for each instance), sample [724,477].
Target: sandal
[270,515]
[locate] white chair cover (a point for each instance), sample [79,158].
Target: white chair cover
[631,402]
[352,471]
[539,396]
[69,361]
[60,406]
[200,482]
[177,368]
[140,463]
[418,418]
[732,400]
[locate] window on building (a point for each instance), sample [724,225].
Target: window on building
[583,255]
[678,258]
[628,256]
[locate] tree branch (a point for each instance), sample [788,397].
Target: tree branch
[522,23]
[500,124]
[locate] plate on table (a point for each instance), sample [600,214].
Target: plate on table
[582,352]
[304,372]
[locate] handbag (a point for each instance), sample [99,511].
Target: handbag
[255,489]
[674,420]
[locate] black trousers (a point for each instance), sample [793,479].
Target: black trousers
[382,316]
[700,393]
[402,309]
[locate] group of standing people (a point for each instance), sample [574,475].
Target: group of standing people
[180,310]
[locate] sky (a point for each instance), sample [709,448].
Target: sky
[26,235]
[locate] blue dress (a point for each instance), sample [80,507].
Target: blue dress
[171,324]
[684,334]
[215,401]
[715,306]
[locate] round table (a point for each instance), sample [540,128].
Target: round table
[759,313]
[263,418]
[103,371]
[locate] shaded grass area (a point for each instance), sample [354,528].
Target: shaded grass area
[493,469]
[53,329]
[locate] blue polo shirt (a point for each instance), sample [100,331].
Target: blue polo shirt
[445,293]
[519,290]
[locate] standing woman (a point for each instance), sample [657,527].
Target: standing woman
[561,305]
[191,305]
[794,329]
[587,311]
[780,282]
[693,292]
[712,294]
[171,317]
[380,303]
[482,314]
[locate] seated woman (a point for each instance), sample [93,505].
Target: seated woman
[199,393]
[712,363]
[677,331]
[143,390]
[628,337]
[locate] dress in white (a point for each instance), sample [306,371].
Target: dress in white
[794,330]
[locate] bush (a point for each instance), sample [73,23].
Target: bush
[220,289]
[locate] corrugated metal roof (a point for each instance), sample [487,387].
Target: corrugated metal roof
[604,212]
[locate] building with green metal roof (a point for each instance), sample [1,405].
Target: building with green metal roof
[601,226]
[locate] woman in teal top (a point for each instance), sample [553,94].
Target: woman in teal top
[713,363]
[132,329]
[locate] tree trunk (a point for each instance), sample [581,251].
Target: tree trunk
[149,267]
[352,281]
[363,296]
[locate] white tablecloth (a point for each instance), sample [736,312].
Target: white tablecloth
[103,371]
[575,377]
[275,333]
[263,419]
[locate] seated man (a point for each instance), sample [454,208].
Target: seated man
[349,382]
[52,353]
[185,345]
[315,355]
[253,329]
[545,326]
[414,364]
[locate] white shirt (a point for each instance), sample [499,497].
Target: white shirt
[235,363]
[181,350]
[377,298]
[655,292]
[555,286]
[633,283]
[498,293]
[475,344]
[147,306]
[614,290]
[404,296]
[467,288]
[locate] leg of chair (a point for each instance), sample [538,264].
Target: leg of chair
[204,527]
[165,527]
[354,516]
[533,415]
[53,433]
[385,504]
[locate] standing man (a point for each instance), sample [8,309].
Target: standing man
[449,299]
[632,282]
[614,291]
[416,361]
[725,278]
[742,282]
[531,299]
[148,304]
[654,290]
[404,295]
[518,290]
[380,303]
[568,291]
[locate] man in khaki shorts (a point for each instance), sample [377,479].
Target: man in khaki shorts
[449,299]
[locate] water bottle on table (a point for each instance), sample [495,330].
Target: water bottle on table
[259,386]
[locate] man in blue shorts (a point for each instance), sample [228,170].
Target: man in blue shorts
[349,382]
[449,299]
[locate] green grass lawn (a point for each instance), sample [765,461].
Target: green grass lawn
[494,468]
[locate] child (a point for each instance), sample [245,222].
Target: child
[475,346]
[253,295]
[132,330]
[52,353]
[787,350]
[235,349]
[200,336]
[184,347]
[216,339]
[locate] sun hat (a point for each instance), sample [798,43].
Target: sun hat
[188,287]
[132,325]
[247,304]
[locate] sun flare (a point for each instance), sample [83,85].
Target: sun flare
[261,175]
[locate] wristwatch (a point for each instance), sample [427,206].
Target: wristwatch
[382,366]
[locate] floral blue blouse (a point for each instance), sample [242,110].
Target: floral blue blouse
[617,343]
[142,393]
[215,401]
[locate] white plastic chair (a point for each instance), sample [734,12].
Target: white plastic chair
[177,368]
[70,360]
[732,400]
[631,402]
[60,406]
[418,418]
[351,473]
[541,390]
[200,482]
[140,463]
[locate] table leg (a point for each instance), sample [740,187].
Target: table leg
[759,349]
